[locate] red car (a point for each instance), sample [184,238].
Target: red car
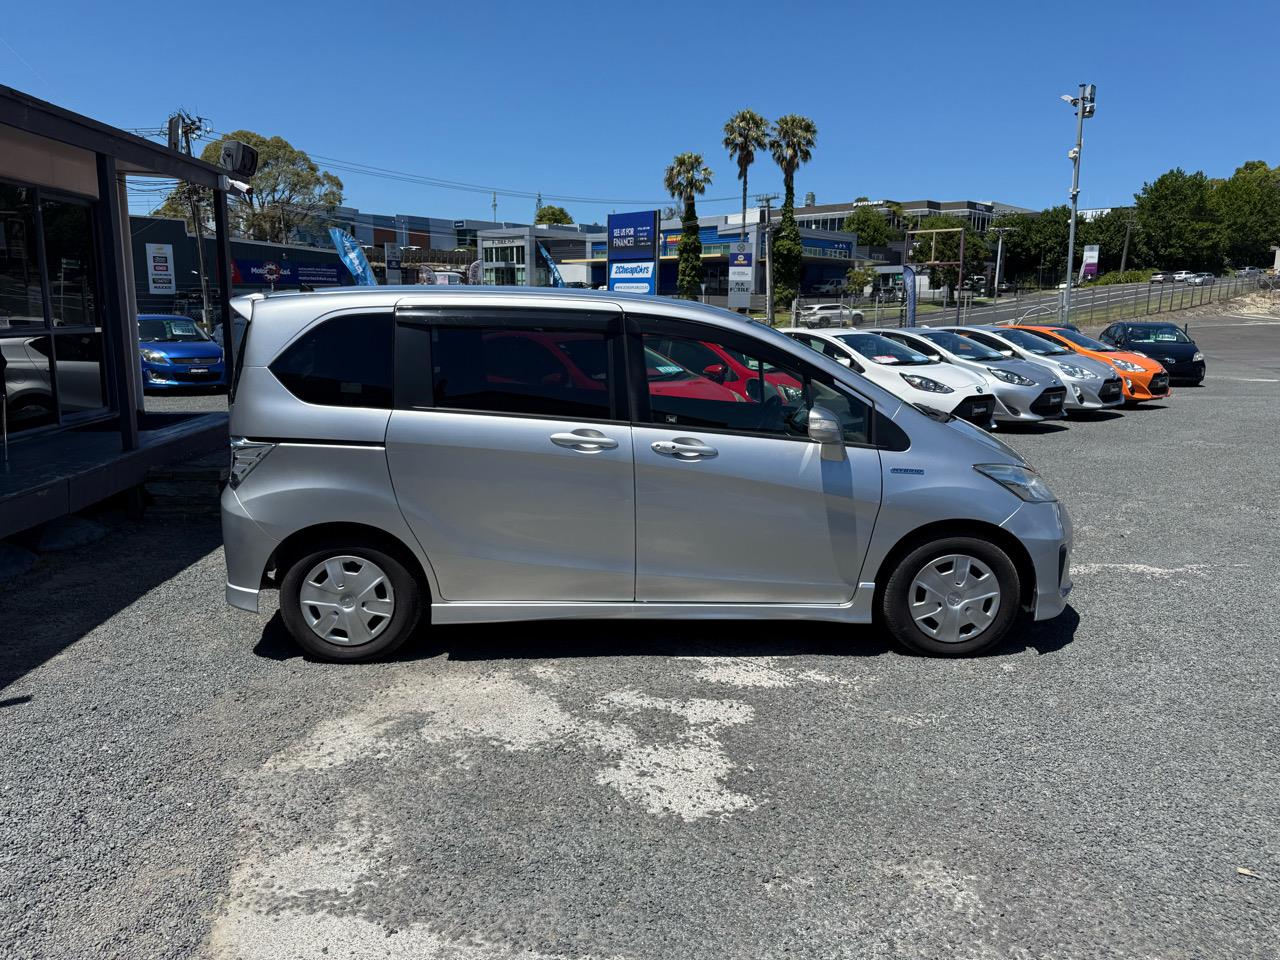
[739,373]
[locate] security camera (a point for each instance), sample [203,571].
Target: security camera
[1073,153]
[1068,98]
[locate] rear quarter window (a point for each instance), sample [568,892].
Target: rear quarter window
[343,362]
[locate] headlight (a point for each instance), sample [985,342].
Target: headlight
[152,356]
[1127,366]
[1197,356]
[1077,373]
[1023,481]
[925,384]
[792,394]
[1009,377]
[245,455]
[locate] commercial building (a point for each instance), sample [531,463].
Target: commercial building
[74,428]
[978,214]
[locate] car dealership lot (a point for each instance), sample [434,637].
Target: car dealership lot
[178,781]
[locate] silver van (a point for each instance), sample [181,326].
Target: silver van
[403,457]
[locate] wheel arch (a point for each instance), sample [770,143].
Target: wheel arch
[977,529]
[300,542]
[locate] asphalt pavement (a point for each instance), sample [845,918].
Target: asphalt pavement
[176,781]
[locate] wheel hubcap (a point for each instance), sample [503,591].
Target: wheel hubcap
[347,600]
[954,598]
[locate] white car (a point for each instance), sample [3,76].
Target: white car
[1182,276]
[823,315]
[905,373]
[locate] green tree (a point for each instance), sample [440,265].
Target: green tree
[1248,207]
[948,248]
[1180,223]
[745,133]
[1108,232]
[289,191]
[872,228]
[857,279]
[687,178]
[791,145]
[550,213]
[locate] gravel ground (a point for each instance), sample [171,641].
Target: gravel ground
[176,782]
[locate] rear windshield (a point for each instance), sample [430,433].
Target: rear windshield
[961,346]
[880,349]
[1033,344]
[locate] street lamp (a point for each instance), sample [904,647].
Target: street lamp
[1083,105]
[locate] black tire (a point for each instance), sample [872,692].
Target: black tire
[405,616]
[895,609]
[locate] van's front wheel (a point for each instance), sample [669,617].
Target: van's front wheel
[349,603]
[952,598]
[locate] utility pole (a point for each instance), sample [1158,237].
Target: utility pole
[1124,257]
[767,200]
[995,286]
[494,205]
[1084,108]
[188,126]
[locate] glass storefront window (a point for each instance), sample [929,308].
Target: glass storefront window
[21,297]
[27,385]
[68,245]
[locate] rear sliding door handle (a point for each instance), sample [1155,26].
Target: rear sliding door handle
[684,448]
[585,441]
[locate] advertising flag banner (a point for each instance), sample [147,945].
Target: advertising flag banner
[909,288]
[353,257]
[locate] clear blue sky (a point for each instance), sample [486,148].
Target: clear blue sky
[943,100]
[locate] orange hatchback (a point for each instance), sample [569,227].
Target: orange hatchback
[1141,377]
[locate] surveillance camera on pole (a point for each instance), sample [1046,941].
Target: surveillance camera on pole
[1084,104]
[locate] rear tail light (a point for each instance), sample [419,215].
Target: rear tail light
[245,455]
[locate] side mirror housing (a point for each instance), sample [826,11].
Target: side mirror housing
[716,372]
[1006,353]
[824,426]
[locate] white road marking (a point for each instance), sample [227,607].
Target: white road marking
[1142,569]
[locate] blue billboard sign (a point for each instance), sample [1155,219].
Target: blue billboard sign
[633,252]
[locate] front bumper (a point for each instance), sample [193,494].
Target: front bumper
[178,376]
[1145,386]
[1094,394]
[1192,370]
[1031,404]
[1045,530]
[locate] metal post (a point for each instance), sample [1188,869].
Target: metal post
[1075,202]
[222,241]
[113,232]
[1124,257]
[959,278]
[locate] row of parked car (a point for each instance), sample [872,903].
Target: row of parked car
[1009,374]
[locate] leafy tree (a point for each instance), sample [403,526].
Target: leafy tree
[1248,207]
[791,145]
[948,248]
[550,213]
[289,191]
[1180,223]
[687,178]
[858,279]
[1108,232]
[744,134]
[872,228]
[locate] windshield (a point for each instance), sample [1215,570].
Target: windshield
[1080,340]
[880,349]
[1165,333]
[961,346]
[1033,344]
[663,369]
[169,330]
[751,363]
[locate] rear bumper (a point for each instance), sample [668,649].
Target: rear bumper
[247,548]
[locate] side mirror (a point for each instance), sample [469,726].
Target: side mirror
[935,357]
[844,361]
[716,372]
[824,426]
[1006,353]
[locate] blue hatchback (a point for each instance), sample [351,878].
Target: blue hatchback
[176,354]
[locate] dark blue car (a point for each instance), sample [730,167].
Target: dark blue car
[177,355]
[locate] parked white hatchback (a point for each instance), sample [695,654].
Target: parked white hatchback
[904,372]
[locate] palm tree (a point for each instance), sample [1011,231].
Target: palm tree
[744,134]
[687,178]
[791,145]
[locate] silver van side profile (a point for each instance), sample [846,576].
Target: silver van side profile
[402,458]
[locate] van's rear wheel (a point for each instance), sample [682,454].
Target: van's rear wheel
[952,598]
[350,602]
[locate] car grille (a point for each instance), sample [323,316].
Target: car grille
[1049,403]
[1160,383]
[976,410]
[1110,391]
[196,361]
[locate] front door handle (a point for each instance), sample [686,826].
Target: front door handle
[585,441]
[684,448]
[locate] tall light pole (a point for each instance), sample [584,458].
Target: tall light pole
[995,286]
[1084,108]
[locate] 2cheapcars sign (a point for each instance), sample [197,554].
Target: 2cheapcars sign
[633,252]
[287,273]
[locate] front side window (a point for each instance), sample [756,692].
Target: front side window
[342,362]
[531,371]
